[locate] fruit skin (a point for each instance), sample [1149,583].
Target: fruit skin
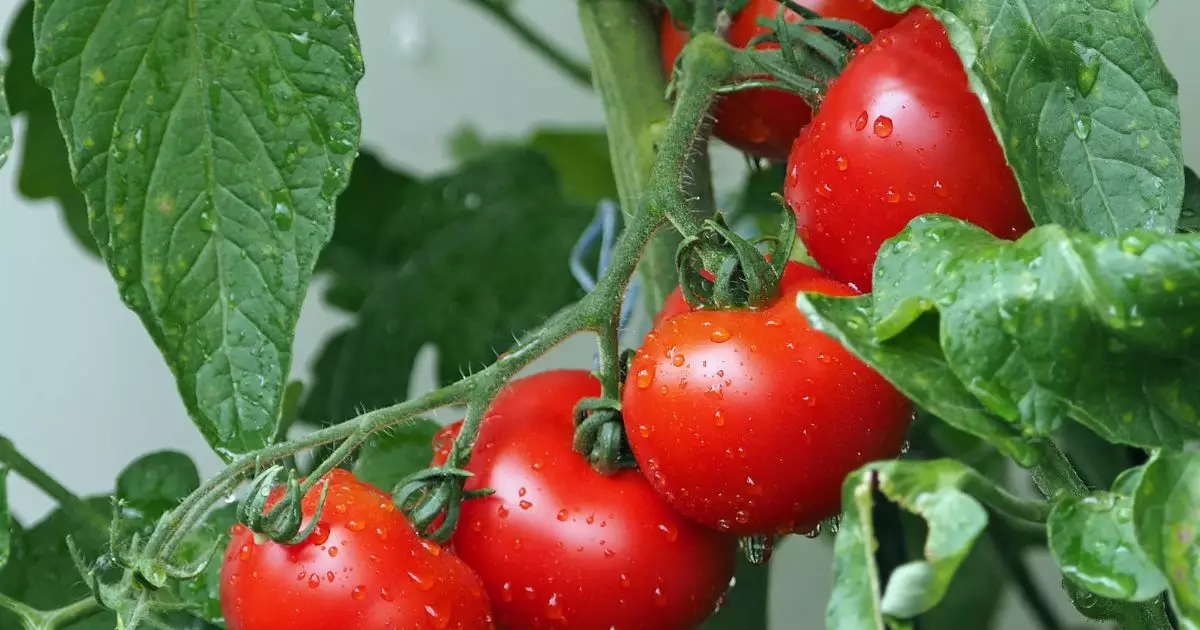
[899,134]
[749,421]
[363,568]
[762,121]
[561,546]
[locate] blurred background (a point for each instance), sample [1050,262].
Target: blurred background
[84,389]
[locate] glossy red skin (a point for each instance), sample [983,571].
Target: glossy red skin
[763,122]
[852,188]
[559,545]
[749,421]
[371,572]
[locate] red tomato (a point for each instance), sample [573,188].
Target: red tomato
[899,134]
[764,122]
[363,568]
[561,546]
[749,421]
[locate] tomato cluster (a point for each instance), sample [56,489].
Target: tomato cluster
[743,422]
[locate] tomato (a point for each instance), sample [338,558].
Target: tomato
[362,568]
[749,421]
[899,134]
[762,121]
[561,546]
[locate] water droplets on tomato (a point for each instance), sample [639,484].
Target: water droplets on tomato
[719,335]
[643,430]
[301,575]
[719,418]
[883,126]
[436,619]
[554,610]
[381,533]
[433,548]
[669,531]
[506,592]
[333,552]
[660,598]
[563,515]
[422,583]
[245,552]
[825,190]
[502,511]
[644,378]
[843,163]
[521,491]
[525,505]
[625,581]
[385,594]
[861,122]
[355,526]
[359,593]
[329,576]
[320,534]
[741,517]
[911,196]
[939,189]
[314,580]
[892,196]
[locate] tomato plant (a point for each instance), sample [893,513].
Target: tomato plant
[765,121]
[1007,280]
[782,411]
[558,544]
[899,134]
[363,566]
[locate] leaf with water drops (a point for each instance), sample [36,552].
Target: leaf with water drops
[1166,518]
[1083,103]
[1093,541]
[157,482]
[495,268]
[1059,324]
[209,142]
[932,490]
[916,365]
[389,456]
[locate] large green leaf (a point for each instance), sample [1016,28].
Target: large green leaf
[932,490]
[579,155]
[389,456]
[209,141]
[1083,103]
[1025,325]
[496,268]
[156,483]
[45,169]
[1092,539]
[1166,519]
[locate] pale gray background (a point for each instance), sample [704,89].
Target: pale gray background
[83,389]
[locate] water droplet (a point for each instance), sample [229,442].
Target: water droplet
[422,583]
[433,548]
[506,592]
[333,552]
[843,164]
[521,491]
[301,575]
[525,505]
[355,526]
[892,196]
[719,335]
[359,593]
[677,360]
[670,532]
[660,598]
[911,196]
[825,191]
[644,378]
[314,580]
[741,517]
[563,515]
[385,594]
[554,611]
[883,126]
[502,511]
[861,122]
[329,576]
[940,190]
[625,582]
[1089,69]
[436,620]
[643,431]
[723,525]
[245,552]
[207,222]
[476,526]
[809,400]
[517,544]
[719,418]
[1083,127]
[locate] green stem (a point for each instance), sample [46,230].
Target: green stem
[72,504]
[623,41]
[502,11]
[1056,477]
[51,619]
[995,497]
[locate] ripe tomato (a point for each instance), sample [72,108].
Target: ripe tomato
[748,421]
[763,122]
[561,546]
[363,568]
[898,135]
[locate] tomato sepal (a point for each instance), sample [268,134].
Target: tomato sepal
[432,499]
[283,521]
[600,435]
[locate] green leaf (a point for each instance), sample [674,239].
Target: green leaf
[209,141]
[580,156]
[6,131]
[1092,539]
[915,364]
[467,289]
[6,521]
[156,483]
[1083,103]
[745,605]
[1023,325]
[390,456]
[203,593]
[45,169]
[929,489]
[1166,516]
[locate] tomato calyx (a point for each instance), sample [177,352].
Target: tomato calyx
[282,522]
[600,435]
[432,499]
[745,277]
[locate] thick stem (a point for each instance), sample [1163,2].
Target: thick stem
[569,66]
[72,504]
[50,619]
[623,41]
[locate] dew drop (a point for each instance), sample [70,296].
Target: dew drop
[643,430]
[359,593]
[1083,127]
[506,592]
[670,532]
[723,525]
[433,548]
[825,191]
[521,491]
[1089,69]
[719,418]
[436,620]
[301,575]
[517,544]
[741,517]
[677,360]
[502,511]
[245,552]
[883,126]
[422,583]
[719,335]
[314,580]
[333,552]
[892,196]
[329,576]
[562,515]
[355,526]
[385,594]
[381,533]
[660,598]
[644,378]
[525,505]
[861,122]
[843,164]
[940,190]
[554,611]
[625,581]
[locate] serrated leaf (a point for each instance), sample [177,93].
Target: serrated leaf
[745,605]
[929,489]
[1093,541]
[496,271]
[915,364]
[1166,517]
[1083,103]
[203,593]
[157,482]
[388,457]
[44,168]
[209,141]
[1056,325]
